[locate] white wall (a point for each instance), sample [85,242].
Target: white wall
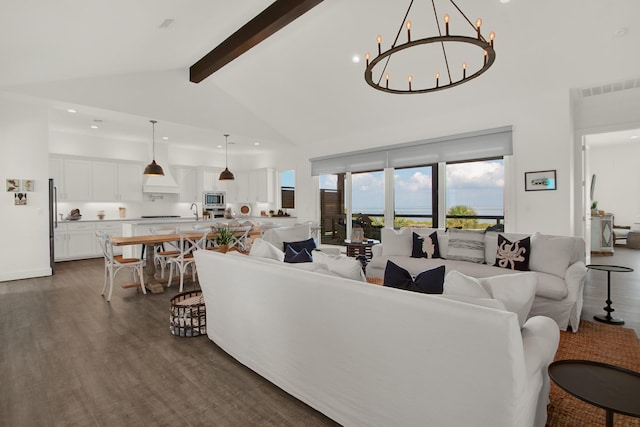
[542,139]
[617,181]
[25,229]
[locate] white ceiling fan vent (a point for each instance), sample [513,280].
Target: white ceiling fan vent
[610,87]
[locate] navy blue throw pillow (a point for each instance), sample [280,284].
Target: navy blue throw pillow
[427,282]
[308,244]
[292,256]
[425,246]
[513,255]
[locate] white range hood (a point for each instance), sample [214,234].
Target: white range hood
[161,184]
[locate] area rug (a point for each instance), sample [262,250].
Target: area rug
[601,343]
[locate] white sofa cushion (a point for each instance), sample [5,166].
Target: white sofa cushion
[296,233]
[515,291]
[342,266]
[466,245]
[550,254]
[262,249]
[396,242]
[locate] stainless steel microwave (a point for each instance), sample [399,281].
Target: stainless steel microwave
[213,200]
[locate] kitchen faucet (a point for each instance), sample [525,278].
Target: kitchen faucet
[195,211]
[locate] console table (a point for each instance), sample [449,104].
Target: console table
[361,248]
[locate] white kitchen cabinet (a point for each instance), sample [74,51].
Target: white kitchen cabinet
[187,179]
[129,182]
[72,178]
[81,242]
[208,179]
[242,187]
[104,181]
[77,179]
[60,242]
[261,185]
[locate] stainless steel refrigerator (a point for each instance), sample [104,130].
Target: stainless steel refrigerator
[53,222]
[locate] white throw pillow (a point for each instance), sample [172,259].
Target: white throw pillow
[466,245]
[343,266]
[550,254]
[490,249]
[456,283]
[516,291]
[296,233]
[262,249]
[396,242]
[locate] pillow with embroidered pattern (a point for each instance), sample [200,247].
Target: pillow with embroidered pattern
[425,246]
[513,255]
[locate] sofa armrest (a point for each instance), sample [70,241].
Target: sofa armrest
[575,277]
[540,338]
[376,250]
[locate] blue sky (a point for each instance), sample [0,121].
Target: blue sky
[477,184]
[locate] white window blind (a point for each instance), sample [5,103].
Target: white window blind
[454,148]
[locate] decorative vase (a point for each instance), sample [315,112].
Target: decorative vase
[223,248]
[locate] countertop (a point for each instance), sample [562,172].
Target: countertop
[187,219]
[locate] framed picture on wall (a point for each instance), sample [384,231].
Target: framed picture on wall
[13,185]
[540,180]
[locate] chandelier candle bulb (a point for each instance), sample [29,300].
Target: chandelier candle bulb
[437,79]
[379,42]
[410,78]
[408,31]
[446,23]
[485,57]
[492,36]
[387,78]
[478,25]
[464,70]
[367,56]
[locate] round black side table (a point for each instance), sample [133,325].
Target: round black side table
[609,387]
[607,318]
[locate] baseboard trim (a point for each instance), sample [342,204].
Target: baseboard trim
[30,274]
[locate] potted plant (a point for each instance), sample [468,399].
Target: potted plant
[224,238]
[594,208]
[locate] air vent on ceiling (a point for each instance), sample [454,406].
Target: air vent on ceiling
[610,87]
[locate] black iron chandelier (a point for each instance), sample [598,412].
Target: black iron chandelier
[435,81]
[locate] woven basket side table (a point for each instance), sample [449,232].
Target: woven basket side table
[188,316]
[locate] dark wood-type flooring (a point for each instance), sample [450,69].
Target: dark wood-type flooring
[68,358]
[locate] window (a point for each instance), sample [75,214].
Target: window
[367,202]
[475,194]
[414,198]
[332,212]
[287,189]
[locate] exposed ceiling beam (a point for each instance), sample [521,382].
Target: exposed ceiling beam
[275,17]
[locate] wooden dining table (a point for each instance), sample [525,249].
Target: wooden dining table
[151,241]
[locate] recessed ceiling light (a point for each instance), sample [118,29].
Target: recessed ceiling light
[634,137]
[505,1]
[165,137]
[219,146]
[71,110]
[355,59]
[256,143]
[94,127]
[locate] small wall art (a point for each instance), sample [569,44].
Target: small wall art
[540,180]
[20,198]
[13,185]
[27,185]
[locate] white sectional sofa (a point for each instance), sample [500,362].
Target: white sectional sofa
[559,262]
[367,355]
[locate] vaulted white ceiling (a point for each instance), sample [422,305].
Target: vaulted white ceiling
[112,61]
